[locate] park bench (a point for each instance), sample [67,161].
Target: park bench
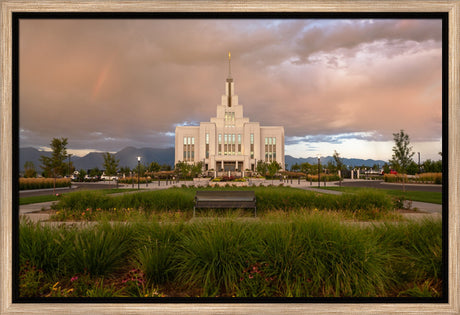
[225,199]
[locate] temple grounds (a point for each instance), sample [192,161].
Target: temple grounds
[304,243]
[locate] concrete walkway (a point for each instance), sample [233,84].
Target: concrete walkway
[34,211]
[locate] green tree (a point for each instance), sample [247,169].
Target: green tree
[56,164]
[196,169]
[81,175]
[29,170]
[402,152]
[430,166]
[338,161]
[295,167]
[125,170]
[306,168]
[154,167]
[386,168]
[272,168]
[183,169]
[95,172]
[110,164]
[262,168]
[141,168]
[412,169]
[165,167]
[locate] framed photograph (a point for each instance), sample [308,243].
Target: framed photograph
[334,122]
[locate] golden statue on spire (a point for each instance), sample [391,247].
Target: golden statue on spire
[229,65]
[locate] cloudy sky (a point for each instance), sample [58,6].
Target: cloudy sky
[344,85]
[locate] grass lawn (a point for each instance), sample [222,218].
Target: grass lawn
[422,196]
[46,198]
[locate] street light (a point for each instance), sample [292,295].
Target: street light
[70,177]
[318,171]
[138,171]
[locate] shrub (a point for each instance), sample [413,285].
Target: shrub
[41,183]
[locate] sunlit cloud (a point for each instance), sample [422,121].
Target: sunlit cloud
[108,84]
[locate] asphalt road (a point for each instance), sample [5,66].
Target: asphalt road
[382,185]
[80,186]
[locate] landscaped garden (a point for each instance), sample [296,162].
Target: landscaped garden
[302,244]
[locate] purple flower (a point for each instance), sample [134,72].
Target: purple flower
[74,279]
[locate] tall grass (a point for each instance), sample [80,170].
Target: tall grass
[365,204]
[40,183]
[156,247]
[44,247]
[100,250]
[429,178]
[309,254]
[212,254]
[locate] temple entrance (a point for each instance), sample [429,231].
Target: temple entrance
[229,166]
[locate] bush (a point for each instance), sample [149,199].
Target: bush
[41,183]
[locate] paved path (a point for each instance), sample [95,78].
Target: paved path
[33,210]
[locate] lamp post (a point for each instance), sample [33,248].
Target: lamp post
[419,169]
[319,172]
[70,177]
[138,171]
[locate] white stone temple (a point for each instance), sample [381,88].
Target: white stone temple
[229,142]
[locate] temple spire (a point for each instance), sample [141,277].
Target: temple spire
[229,81]
[229,65]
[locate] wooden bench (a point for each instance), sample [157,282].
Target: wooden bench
[225,199]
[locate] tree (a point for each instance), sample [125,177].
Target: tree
[110,164]
[337,160]
[125,170]
[386,168]
[262,168]
[95,172]
[56,164]
[154,167]
[272,168]
[402,152]
[165,167]
[306,168]
[412,169]
[182,169]
[81,175]
[195,169]
[295,167]
[29,170]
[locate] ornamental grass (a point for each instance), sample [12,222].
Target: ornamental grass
[308,254]
[41,183]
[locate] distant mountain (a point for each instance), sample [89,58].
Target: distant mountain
[32,155]
[128,157]
[289,160]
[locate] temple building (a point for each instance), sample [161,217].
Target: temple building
[229,142]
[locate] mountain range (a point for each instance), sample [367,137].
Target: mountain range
[128,157]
